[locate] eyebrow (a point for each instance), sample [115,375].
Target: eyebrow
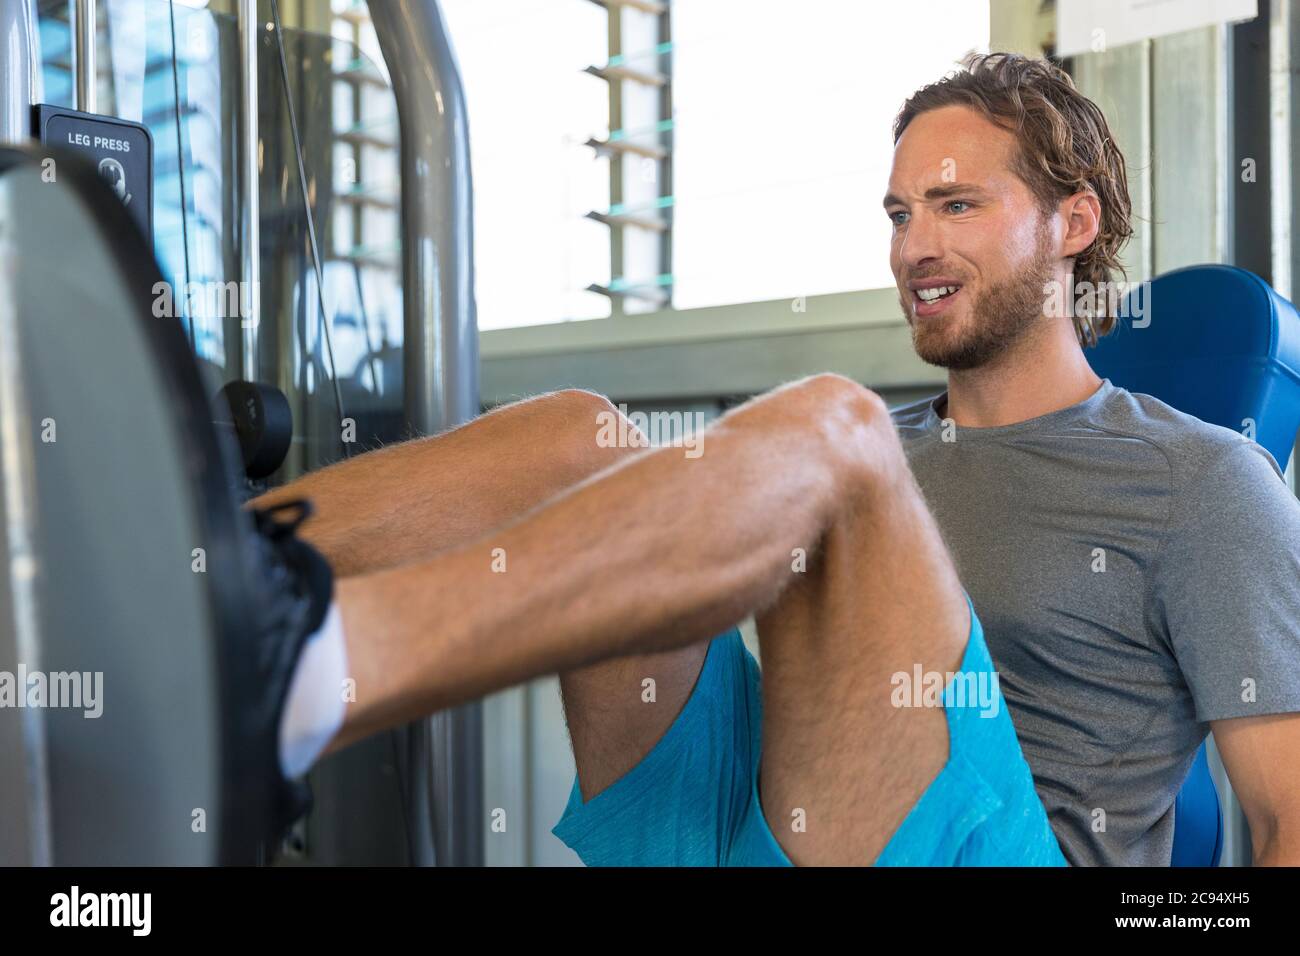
[946,191]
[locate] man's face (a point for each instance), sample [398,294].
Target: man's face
[962,218]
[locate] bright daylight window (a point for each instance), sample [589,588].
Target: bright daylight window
[780,145]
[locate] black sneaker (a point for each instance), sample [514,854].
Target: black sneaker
[296,586]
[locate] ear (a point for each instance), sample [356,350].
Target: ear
[1081,214]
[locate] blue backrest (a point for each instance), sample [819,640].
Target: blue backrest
[1218,343]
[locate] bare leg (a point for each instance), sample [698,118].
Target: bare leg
[880,597]
[662,552]
[411,500]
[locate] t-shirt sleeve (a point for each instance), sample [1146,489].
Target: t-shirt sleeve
[1227,585]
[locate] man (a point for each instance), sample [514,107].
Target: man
[614,565]
[1137,570]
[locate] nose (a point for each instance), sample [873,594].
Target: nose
[920,242]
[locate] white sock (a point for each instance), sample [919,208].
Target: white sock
[313,711]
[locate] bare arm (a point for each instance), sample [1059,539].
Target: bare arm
[1262,757]
[658,553]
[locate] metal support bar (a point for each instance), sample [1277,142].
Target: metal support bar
[25,829]
[83,31]
[249,199]
[20,61]
[440,355]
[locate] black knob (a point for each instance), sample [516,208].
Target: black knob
[264,424]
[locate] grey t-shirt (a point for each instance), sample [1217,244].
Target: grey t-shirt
[1137,573]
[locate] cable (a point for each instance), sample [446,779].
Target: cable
[311,225]
[180,168]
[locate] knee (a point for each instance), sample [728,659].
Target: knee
[571,405]
[854,429]
[586,431]
[840,395]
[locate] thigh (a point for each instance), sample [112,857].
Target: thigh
[983,808]
[842,765]
[410,500]
[422,498]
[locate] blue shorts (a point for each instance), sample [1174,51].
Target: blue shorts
[693,800]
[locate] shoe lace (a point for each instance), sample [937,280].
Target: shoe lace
[286,594]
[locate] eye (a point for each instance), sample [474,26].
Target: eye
[894,217]
[958,202]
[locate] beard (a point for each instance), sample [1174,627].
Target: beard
[1000,317]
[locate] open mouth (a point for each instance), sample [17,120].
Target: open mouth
[932,301]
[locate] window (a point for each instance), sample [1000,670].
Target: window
[783,142]
[531,109]
[780,145]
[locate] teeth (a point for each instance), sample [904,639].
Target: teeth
[929,295]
